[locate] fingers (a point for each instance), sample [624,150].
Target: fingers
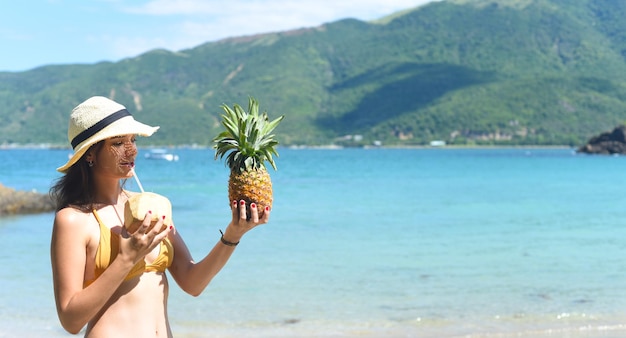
[151,228]
[239,211]
[266,215]
[251,215]
[242,210]
[159,231]
[147,237]
[145,224]
[254,213]
[234,209]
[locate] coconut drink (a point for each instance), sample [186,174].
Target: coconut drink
[138,205]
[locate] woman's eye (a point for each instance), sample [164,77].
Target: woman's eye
[121,142]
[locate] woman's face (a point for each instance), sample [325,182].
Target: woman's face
[116,157]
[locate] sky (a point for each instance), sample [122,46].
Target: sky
[34,33]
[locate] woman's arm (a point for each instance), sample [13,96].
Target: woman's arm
[194,277]
[68,251]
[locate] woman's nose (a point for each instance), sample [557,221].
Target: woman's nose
[130,148]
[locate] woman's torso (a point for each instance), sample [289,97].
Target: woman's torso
[138,308]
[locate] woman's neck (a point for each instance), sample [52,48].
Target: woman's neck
[108,192]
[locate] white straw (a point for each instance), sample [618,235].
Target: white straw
[137,180]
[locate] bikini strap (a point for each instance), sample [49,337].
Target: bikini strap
[97,217]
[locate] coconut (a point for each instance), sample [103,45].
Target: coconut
[139,204]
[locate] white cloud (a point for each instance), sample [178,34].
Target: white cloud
[200,21]
[313,10]
[92,31]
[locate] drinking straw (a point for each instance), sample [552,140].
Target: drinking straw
[137,180]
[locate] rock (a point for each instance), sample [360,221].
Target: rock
[14,202]
[607,143]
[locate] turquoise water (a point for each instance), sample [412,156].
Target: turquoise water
[373,243]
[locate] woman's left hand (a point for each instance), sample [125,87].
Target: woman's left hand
[241,223]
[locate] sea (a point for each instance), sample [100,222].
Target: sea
[370,242]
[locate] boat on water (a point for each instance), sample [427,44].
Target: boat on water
[161,154]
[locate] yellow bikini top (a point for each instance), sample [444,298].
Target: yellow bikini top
[109,245]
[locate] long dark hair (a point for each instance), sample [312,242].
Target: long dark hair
[75,188]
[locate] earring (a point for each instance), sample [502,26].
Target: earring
[90,164]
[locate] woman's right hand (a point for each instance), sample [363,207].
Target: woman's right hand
[135,246]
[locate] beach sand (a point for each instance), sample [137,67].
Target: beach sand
[432,329]
[527,326]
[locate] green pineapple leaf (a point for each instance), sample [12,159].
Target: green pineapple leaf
[247,141]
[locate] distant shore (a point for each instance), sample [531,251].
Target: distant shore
[327,146]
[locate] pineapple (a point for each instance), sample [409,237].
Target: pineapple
[249,144]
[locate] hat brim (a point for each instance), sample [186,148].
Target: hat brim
[124,126]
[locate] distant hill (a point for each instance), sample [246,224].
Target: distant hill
[540,72]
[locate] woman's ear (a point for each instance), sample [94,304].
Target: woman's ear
[89,155]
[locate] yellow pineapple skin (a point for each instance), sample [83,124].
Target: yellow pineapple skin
[252,186]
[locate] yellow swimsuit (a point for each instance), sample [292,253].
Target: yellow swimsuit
[108,248]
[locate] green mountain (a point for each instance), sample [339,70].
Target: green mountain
[544,72]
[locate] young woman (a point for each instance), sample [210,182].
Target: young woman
[106,278]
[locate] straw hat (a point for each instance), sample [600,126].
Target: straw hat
[97,119]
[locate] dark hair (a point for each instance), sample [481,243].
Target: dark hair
[75,188]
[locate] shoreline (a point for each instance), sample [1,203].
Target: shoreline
[525,326]
[435,328]
[45,146]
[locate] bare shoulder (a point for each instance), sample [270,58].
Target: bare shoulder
[71,218]
[72,229]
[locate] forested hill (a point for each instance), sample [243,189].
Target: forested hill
[464,71]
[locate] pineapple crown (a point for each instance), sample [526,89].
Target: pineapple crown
[247,139]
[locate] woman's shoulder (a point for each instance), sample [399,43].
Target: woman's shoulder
[71,215]
[73,227]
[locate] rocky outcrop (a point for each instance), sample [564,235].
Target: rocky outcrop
[13,202]
[608,143]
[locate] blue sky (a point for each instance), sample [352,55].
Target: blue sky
[44,32]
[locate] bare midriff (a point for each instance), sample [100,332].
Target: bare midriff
[136,309]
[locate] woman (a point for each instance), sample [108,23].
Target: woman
[106,278]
